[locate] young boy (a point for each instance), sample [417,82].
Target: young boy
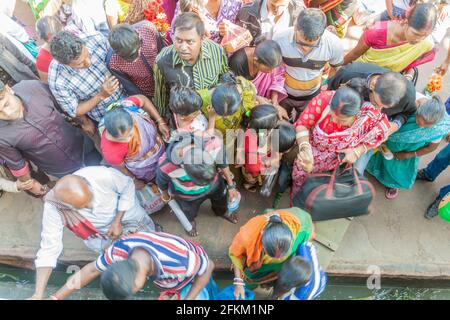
[301,277]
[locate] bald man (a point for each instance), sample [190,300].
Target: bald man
[98,204]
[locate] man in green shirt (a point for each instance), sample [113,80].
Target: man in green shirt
[192,61]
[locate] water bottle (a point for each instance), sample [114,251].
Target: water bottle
[180,215]
[234,205]
[269,182]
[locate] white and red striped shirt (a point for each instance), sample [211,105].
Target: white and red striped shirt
[177,261]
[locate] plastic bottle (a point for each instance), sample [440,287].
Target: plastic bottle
[180,215]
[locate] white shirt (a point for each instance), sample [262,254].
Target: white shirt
[269,27]
[89,16]
[7,7]
[112,192]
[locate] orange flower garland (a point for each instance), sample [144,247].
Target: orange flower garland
[434,83]
[156,15]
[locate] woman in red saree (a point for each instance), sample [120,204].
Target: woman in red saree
[336,122]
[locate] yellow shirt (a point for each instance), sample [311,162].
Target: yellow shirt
[233,121]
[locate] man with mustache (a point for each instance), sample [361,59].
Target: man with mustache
[192,61]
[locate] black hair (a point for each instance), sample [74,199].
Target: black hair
[118,121]
[391,88]
[263,116]
[423,16]
[199,166]
[294,273]
[188,21]
[226,98]
[125,41]
[346,101]
[286,136]
[66,47]
[268,52]
[312,23]
[184,100]
[117,281]
[48,25]
[277,237]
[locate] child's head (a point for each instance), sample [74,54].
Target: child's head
[199,166]
[226,97]
[286,136]
[264,116]
[184,101]
[294,273]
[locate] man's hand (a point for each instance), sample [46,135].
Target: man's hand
[447,138]
[139,184]
[24,185]
[109,86]
[37,188]
[282,113]
[115,231]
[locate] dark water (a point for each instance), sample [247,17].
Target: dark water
[19,284]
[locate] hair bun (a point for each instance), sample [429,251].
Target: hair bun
[275,218]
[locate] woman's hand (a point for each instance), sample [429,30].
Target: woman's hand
[239,292]
[24,185]
[305,159]
[164,129]
[350,156]
[282,113]
[223,29]
[401,155]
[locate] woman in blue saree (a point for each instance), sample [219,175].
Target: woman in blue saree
[420,135]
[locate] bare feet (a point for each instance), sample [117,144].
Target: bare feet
[231,217]
[193,232]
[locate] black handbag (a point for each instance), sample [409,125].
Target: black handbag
[338,194]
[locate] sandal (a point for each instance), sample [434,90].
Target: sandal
[250,187]
[391,193]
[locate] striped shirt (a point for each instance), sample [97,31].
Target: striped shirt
[72,86]
[318,281]
[304,72]
[173,177]
[169,70]
[177,261]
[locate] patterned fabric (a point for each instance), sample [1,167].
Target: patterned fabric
[141,158]
[173,177]
[229,10]
[233,121]
[169,69]
[73,86]
[371,128]
[409,138]
[247,252]
[178,261]
[137,71]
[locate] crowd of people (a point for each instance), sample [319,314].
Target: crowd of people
[113,102]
